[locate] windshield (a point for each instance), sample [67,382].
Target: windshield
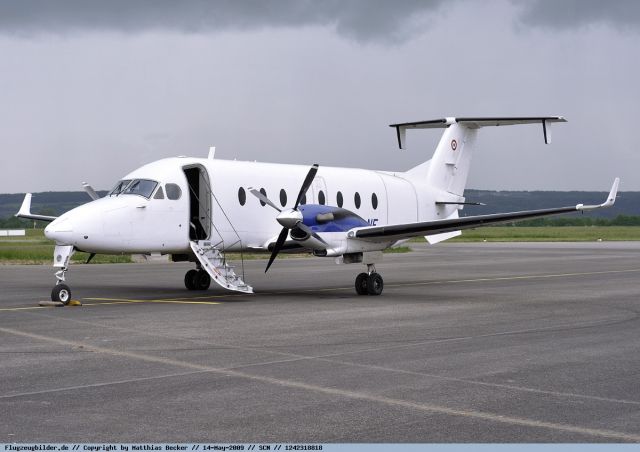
[142,187]
[119,187]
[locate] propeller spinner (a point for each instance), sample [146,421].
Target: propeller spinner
[289,218]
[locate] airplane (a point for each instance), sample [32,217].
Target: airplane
[199,209]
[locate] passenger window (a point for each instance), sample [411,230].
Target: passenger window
[283,197]
[321,198]
[356,199]
[264,192]
[339,199]
[242,196]
[173,191]
[374,201]
[159,193]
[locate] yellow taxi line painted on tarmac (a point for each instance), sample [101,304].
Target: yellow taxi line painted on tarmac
[110,301]
[27,308]
[206,297]
[127,300]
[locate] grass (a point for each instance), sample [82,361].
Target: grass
[34,248]
[398,250]
[550,234]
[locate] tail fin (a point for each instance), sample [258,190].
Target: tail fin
[449,167]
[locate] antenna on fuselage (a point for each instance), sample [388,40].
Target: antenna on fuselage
[212,153]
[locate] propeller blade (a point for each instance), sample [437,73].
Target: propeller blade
[263,198]
[276,248]
[309,231]
[306,184]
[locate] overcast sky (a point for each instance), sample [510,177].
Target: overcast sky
[90,90]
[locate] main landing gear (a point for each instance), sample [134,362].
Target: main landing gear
[197,279]
[369,283]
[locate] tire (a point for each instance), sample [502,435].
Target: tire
[375,284]
[61,293]
[202,280]
[190,279]
[361,284]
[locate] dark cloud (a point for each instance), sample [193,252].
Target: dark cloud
[363,20]
[620,14]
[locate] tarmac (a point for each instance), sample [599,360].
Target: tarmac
[482,342]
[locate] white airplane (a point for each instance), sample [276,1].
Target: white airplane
[197,209]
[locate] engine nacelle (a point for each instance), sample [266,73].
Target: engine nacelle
[307,240]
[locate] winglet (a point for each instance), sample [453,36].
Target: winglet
[612,194]
[611,199]
[25,211]
[25,208]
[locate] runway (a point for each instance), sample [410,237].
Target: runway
[482,342]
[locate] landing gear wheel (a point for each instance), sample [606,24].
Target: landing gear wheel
[361,284]
[61,293]
[375,284]
[190,279]
[202,280]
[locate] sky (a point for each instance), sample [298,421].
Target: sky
[90,90]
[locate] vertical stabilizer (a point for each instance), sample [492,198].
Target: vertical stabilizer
[448,169]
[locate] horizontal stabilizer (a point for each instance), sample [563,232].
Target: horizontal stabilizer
[476,123]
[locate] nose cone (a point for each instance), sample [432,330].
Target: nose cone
[60,230]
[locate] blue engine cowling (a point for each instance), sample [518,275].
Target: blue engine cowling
[322,218]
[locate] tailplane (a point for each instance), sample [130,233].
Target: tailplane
[448,169]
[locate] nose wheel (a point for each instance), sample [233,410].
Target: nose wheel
[369,283]
[61,293]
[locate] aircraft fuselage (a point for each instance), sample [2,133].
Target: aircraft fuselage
[227,212]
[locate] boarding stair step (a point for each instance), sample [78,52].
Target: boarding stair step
[214,263]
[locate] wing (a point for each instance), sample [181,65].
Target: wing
[402,231]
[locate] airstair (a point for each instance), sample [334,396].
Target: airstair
[214,262]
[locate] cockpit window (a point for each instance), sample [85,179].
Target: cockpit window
[159,194]
[120,186]
[142,187]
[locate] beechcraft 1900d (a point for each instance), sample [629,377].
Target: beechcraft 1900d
[197,209]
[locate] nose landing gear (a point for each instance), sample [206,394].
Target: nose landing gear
[369,283]
[61,259]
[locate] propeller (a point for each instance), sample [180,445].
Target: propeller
[289,218]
